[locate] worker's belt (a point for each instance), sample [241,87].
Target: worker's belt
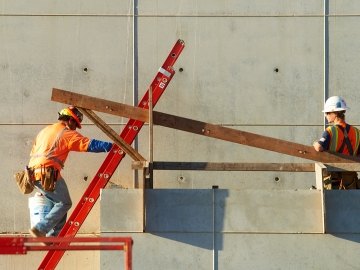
[48,177]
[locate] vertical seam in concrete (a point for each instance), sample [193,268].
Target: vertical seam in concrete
[135,78]
[326,53]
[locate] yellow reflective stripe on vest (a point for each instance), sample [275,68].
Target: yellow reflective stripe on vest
[357,142]
[334,133]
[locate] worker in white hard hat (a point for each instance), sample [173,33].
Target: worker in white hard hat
[339,137]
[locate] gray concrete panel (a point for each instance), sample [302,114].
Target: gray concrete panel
[194,210]
[179,211]
[344,7]
[232,7]
[289,251]
[71,260]
[344,61]
[122,210]
[269,211]
[81,54]
[163,251]
[234,180]
[185,251]
[77,7]
[342,211]
[249,71]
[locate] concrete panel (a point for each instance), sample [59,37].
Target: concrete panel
[245,71]
[342,211]
[232,7]
[239,251]
[163,251]
[269,211]
[71,260]
[45,7]
[194,211]
[288,251]
[81,54]
[344,51]
[179,211]
[344,7]
[115,216]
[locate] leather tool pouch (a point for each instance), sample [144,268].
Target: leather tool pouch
[25,180]
[48,179]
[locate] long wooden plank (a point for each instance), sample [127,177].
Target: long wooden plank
[135,155]
[226,166]
[98,104]
[234,166]
[209,130]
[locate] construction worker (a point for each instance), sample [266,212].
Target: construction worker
[339,137]
[47,158]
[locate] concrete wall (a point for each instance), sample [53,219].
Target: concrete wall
[233,229]
[252,65]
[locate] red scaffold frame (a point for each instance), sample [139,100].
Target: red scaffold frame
[20,245]
[113,159]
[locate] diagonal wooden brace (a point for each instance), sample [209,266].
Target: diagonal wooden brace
[112,134]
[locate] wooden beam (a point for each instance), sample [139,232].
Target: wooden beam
[226,166]
[236,166]
[97,104]
[215,131]
[112,134]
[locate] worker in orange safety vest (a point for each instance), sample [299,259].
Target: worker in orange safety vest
[48,155]
[339,137]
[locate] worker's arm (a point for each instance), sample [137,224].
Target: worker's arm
[96,146]
[324,142]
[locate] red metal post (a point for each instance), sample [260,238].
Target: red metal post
[113,159]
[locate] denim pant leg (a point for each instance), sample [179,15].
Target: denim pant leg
[56,218]
[56,230]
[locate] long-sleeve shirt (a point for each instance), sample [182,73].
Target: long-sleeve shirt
[53,144]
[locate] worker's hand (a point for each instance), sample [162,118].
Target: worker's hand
[318,147]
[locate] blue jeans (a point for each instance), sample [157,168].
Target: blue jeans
[56,218]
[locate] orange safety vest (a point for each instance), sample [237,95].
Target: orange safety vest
[337,139]
[53,144]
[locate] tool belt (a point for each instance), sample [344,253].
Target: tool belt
[342,180]
[48,177]
[25,180]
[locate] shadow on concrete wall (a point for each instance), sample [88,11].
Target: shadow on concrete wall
[342,213]
[194,217]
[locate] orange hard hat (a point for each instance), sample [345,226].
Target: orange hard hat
[74,113]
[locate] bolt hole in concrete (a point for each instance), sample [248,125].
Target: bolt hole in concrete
[85,69]
[181,179]
[277,179]
[276,70]
[181,69]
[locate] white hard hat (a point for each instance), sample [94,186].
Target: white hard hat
[335,104]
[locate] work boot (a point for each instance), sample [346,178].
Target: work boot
[36,233]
